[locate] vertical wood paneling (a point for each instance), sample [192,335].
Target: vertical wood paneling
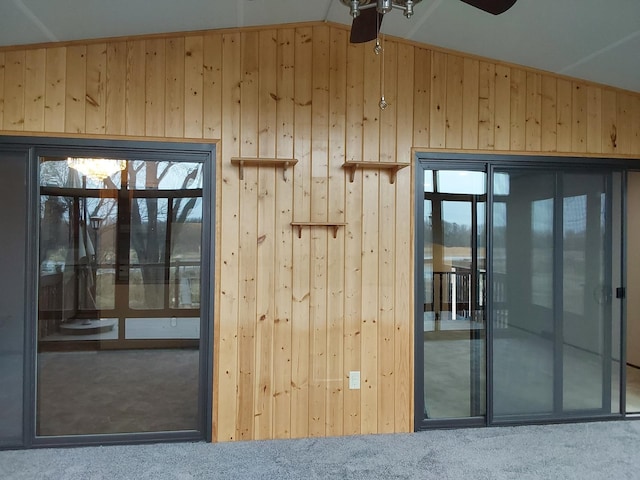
[624,122]
[486,105]
[470,102]
[388,115]
[453,116]
[369,308]
[609,122]
[548,128]
[386,300]
[212,82]
[116,88]
[300,352]
[264,368]
[402,307]
[503,108]
[247,315]
[386,241]
[386,270]
[370,196]
[34,90]
[564,119]
[225,395]
[635,124]
[193,106]
[135,88]
[438,119]
[518,109]
[174,87]
[579,118]
[335,247]
[318,236]
[283,252]
[55,80]
[594,119]
[371,108]
[14,90]
[296,315]
[388,152]
[96,91]
[353,235]
[74,118]
[154,87]
[533,115]
[422,97]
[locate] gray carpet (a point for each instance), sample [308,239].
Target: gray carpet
[579,451]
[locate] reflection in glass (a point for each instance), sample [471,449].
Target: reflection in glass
[147,255]
[555,263]
[454,294]
[523,295]
[587,297]
[119,298]
[164,175]
[186,231]
[541,252]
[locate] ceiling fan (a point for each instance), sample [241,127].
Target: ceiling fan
[367,14]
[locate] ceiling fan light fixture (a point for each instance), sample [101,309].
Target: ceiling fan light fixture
[354,6]
[408,8]
[382,6]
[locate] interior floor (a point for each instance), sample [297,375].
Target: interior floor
[119,391]
[523,377]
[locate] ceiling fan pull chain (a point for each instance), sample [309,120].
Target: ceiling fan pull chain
[379,50]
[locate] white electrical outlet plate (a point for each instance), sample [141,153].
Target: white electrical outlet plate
[354,380]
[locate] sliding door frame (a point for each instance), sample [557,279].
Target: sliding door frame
[439,160]
[204,153]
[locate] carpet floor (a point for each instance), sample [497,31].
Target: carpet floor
[603,450]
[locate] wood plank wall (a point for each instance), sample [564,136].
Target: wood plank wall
[296,315]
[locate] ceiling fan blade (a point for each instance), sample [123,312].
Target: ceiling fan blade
[366,26]
[492,6]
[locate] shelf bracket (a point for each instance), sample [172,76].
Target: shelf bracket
[352,173]
[393,173]
[241,169]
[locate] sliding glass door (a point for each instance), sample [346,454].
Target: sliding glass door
[555,267]
[519,287]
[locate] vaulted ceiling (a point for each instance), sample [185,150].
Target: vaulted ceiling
[596,40]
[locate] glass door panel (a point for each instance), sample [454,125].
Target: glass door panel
[555,269]
[523,294]
[117,353]
[453,277]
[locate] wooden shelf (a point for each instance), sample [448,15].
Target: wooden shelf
[393,168]
[334,225]
[242,162]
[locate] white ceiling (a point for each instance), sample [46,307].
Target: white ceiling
[597,40]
